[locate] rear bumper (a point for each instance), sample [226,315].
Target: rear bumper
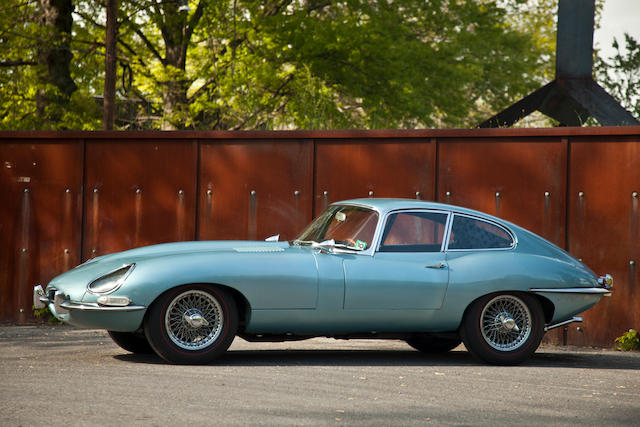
[569,302]
[559,324]
[584,291]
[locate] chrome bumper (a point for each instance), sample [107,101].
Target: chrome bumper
[62,305]
[606,281]
[566,322]
[591,291]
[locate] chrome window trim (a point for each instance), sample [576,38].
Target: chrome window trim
[376,234]
[514,238]
[120,282]
[387,214]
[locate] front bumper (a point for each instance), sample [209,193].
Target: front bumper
[91,315]
[63,305]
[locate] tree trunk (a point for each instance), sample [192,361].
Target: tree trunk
[55,58]
[109,103]
[176,28]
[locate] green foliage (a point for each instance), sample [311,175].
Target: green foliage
[620,74]
[45,315]
[280,64]
[628,341]
[23,76]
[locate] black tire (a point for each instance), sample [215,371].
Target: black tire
[192,324]
[503,329]
[433,344]
[134,342]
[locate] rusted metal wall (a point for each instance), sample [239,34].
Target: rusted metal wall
[40,217]
[69,196]
[387,167]
[137,193]
[252,189]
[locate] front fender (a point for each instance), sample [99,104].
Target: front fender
[266,280]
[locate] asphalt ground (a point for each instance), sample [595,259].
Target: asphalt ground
[66,376]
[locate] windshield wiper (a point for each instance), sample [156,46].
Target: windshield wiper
[325,244]
[343,246]
[299,242]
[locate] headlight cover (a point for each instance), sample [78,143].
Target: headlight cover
[110,282]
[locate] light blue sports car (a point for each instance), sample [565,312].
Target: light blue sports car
[428,273]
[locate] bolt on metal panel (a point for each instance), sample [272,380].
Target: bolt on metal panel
[355,168]
[603,230]
[507,178]
[258,188]
[138,193]
[40,218]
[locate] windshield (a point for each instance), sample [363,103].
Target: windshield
[350,226]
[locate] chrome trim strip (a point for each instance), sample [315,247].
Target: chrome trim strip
[68,305]
[601,291]
[447,231]
[566,322]
[376,235]
[388,214]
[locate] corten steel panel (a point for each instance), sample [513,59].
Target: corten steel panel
[604,230]
[138,193]
[523,181]
[40,218]
[253,189]
[347,169]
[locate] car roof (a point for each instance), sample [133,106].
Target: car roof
[384,205]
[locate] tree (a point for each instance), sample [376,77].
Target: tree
[620,73]
[37,85]
[54,57]
[313,64]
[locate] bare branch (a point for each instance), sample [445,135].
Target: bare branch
[145,40]
[202,88]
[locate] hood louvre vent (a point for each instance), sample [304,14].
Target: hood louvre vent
[259,249]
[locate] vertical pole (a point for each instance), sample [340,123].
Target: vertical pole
[574,48]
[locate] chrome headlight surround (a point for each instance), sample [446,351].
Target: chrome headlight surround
[111,281]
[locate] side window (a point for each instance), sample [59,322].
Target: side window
[414,232]
[472,233]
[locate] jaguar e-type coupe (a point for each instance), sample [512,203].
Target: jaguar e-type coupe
[428,273]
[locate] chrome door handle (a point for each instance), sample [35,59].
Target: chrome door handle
[441,265]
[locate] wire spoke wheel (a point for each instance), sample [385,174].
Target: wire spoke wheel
[194,320]
[506,322]
[503,329]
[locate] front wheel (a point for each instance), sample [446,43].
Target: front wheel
[503,329]
[192,324]
[432,344]
[134,342]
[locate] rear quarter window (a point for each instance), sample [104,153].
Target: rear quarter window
[473,233]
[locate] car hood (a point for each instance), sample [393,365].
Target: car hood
[185,248]
[74,281]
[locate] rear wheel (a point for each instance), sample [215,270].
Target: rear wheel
[192,324]
[134,342]
[432,344]
[503,329]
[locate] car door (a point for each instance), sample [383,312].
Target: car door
[409,269]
